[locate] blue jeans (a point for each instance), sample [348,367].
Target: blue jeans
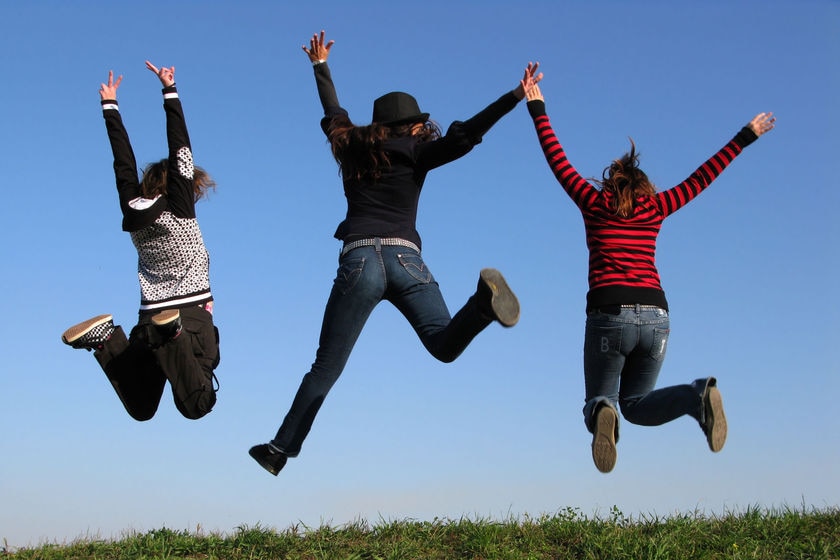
[366,276]
[622,354]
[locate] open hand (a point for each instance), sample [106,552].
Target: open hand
[762,122]
[528,81]
[318,51]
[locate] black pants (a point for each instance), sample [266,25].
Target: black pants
[139,367]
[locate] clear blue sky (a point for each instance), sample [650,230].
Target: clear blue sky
[750,268]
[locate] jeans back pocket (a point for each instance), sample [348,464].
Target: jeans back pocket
[414,265]
[348,274]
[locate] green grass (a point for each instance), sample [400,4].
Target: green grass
[753,534]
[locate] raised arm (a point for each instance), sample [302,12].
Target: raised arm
[582,193]
[180,189]
[125,164]
[462,136]
[318,52]
[678,196]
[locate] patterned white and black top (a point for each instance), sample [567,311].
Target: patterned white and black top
[173,263]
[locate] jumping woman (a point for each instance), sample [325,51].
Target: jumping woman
[383,166]
[175,338]
[627,321]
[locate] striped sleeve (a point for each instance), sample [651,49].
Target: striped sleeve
[678,196]
[579,190]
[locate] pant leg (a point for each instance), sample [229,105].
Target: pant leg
[357,289]
[414,291]
[133,372]
[606,342]
[640,402]
[188,362]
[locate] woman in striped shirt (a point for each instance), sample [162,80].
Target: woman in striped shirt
[627,322]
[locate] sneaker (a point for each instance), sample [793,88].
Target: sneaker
[496,297]
[714,420]
[269,456]
[604,453]
[168,323]
[90,334]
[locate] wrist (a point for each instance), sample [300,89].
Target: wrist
[318,61]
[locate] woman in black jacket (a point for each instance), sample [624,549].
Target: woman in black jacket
[383,166]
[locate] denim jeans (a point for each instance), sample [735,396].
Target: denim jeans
[623,352]
[366,276]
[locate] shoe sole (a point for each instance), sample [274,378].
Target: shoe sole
[604,453]
[504,303]
[165,317]
[76,332]
[259,459]
[715,419]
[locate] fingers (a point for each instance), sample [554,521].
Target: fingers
[762,122]
[152,67]
[111,83]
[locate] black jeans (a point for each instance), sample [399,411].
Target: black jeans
[138,367]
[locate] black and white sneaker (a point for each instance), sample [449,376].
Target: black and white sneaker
[269,456]
[168,323]
[90,334]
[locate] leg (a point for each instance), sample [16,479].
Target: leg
[605,343]
[640,403]
[356,291]
[413,290]
[605,339]
[188,361]
[133,372]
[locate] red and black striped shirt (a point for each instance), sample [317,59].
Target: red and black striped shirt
[622,251]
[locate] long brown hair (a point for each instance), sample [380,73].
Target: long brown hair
[359,150]
[626,182]
[154,180]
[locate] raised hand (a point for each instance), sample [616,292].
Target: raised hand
[166,75]
[529,80]
[109,90]
[762,122]
[318,51]
[534,94]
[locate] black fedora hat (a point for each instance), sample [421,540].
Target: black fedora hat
[397,108]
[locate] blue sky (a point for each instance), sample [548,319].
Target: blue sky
[749,268]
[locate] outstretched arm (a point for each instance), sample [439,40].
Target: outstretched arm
[318,52]
[582,193]
[179,188]
[678,196]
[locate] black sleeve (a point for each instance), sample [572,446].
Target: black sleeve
[462,136]
[125,171]
[179,186]
[327,95]
[745,137]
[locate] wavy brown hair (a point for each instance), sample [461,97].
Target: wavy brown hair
[359,150]
[626,181]
[155,178]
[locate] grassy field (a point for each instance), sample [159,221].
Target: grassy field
[754,533]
